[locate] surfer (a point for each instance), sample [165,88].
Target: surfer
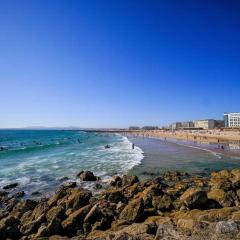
[107,146]
[133,146]
[79,141]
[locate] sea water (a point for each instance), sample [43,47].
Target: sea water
[39,159]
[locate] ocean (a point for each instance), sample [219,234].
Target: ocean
[39,160]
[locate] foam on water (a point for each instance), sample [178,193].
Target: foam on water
[39,168]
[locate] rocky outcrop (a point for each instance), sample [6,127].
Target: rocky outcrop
[87,176]
[173,206]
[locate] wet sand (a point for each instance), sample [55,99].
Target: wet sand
[162,155]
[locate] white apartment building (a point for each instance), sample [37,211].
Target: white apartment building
[232,120]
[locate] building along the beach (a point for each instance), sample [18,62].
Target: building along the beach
[175,126]
[188,124]
[232,120]
[205,124]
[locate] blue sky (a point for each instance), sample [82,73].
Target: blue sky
[117,63]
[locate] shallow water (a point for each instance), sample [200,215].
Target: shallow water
[37,160]
[161,156]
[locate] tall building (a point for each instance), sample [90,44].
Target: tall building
[232,120]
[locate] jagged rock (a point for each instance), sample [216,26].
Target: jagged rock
[228,227]
[134,211]
[115,196]
[18,194]
[225,199]
[69,185]
[57,212]
[162,203]
[77,199]
[220,183]
[10,186]
[87,176]
[3,193]
[194,198]
[9,228]
[75,220]
[93,215]
[129,180]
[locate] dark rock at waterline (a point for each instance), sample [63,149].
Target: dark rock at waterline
[10,186]
[18,194]
[63,179]
[87,176]
[69,185]
[3,193]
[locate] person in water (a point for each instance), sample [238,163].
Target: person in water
[107,146]
[79,141]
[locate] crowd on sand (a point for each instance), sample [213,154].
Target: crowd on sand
[210,136]
[175,205]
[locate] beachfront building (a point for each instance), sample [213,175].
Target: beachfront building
[188,124]
[175,126]
[232,120]
[205,124]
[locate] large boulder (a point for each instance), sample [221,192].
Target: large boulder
[77,199]
[162,203]
[225,199]
[10,186]
[9,228]
[75,220]
[87,176]
[134,211]
[194,198]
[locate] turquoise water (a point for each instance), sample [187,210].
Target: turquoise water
[37,160]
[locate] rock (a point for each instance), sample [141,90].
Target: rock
[222,174]
[3,193]
[116,181]
[228,227]
[75,220]
[162,203]
[18,194]
[69,185]
[129,180]
[220,183]
[57,212]
[87,176]
[78,199]
[93,215]
[9,228]
[10,186]
[194,198]
[225,199]
[115,196]
[133,212]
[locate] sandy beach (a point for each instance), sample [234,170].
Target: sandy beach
[210,136]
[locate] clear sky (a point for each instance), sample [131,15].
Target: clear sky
[117,63]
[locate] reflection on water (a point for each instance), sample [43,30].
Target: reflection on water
[163,155]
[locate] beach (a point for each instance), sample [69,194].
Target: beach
[210,136]
[71,186]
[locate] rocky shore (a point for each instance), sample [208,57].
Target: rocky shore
[173,206]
